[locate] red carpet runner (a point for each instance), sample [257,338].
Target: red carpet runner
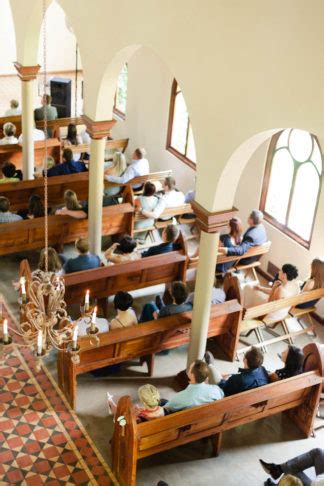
[41,439]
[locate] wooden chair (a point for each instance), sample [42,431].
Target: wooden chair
[297,397]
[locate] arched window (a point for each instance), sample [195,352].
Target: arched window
[292,183]
[121,93]
[180,141]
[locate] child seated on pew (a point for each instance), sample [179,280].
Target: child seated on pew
[149,407]
[72,206]
[124,251]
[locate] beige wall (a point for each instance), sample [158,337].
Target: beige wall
[149,88]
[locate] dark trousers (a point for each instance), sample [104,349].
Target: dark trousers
[296,466]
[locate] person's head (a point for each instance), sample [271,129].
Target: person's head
[71,200]
[67,155]
[236,229]
[169,184]
[54,262]
[123,301]
[289,480]
[14,104]
[149,189]
[149,396]
[139,153]
[72,133]
[179,292]
[288,272]
[82,245]
[198,372]
[293,358]
[127,244]
[119,161]
[4,204]
[255,217]
[9,129]
[35,206]
[317,272]
[50,161]
[47,99]
[170,234]
[253,358]
[9,170]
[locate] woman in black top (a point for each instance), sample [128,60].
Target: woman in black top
[293,359]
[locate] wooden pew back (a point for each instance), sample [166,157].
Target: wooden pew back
[298,396]
[13,153]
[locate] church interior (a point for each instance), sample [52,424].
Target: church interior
[161,243]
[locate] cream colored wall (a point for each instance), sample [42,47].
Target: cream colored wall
[283,249]
[7,39]
[148,98]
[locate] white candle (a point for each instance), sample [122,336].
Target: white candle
[93,320]
[75,338]
[23,285]
[5,331]
[87,297]
[40,342]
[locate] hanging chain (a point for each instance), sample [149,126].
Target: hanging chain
[45,131]
[76,81]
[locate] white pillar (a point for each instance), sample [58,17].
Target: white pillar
[27,96]
[203,290]
[96,186]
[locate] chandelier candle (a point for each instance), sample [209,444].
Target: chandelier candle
[23,290]
[93,320]
[40,343]
[75,339]
[5,332]
[87,301]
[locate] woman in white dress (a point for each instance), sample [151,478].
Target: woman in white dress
[149,205]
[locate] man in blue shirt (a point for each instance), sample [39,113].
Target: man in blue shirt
[69,166]
[198,392]
[170,234]
[85,260]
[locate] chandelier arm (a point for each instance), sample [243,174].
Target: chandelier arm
[46,132]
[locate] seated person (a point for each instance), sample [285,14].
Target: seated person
[124,251]
[117,169]
[14,109]
[170,234]
[198,392]
[138,167]
[85,260]
[5,215]
[234,237]
[148,205]
[293,358]
[35,208]
[68,166]
[255,235]
[251,376]
[190,196]
[9,132]
[218,295]
[54,262]
[176,303]
[72,206]
[126,316]
[72,138]
[38,135]
[39,113]
[297,466]
[315,281]
[149,407]
[172,197]
[284,286]
[10,173]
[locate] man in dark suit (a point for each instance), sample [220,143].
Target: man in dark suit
[170,235]
[255,235]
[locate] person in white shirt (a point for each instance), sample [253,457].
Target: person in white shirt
[126,316]
[14,109]
[38,136]
[9,131]
[138,167]
[172,197]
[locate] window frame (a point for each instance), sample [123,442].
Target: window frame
[116,111]
[264,193]
[169,147]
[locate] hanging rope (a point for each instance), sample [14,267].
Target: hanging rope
[45,131]
[76,81]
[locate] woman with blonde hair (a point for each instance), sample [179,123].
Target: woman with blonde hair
[72,206]
[117,169]
[9,132]
[149,407]
[313,282]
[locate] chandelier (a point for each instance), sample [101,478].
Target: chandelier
[44,322]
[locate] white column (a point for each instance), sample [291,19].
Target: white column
[96,186]
[27,95]
[203,290]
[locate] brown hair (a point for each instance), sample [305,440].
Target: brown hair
[179,292]
[71,200]
[140,152]
[54,262]
[47,98]
[149,189]
[4,204]
[254,358]
[200,371]
[67,155]
[170,182]
[236,229]
[14,104]
[9,129]
[317,273]
[82,245]
[171,233]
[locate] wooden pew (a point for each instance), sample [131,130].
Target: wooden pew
[153,176]
[13,152]
[145,339]
[29,234]
[111,146]
[55,125]
[297,397]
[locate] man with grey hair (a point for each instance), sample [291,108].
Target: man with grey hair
[255,235]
